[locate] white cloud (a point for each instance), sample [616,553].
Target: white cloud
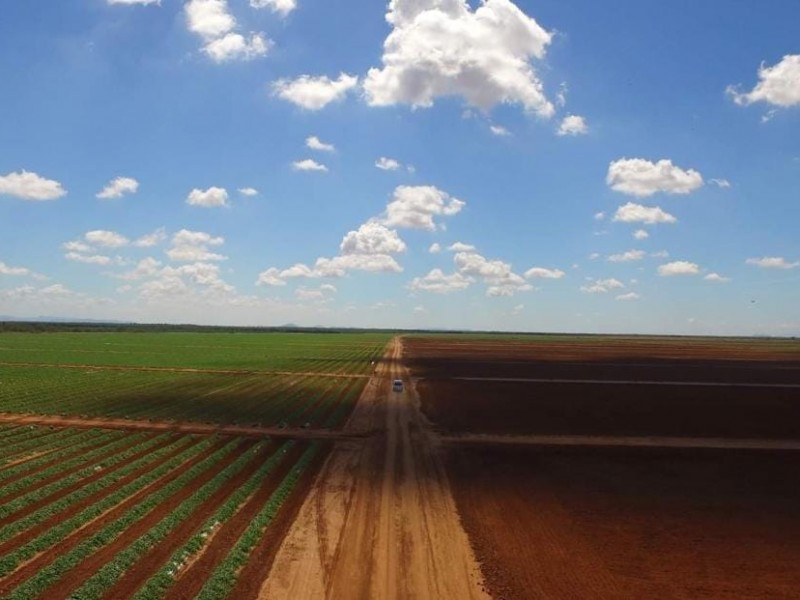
[209,18]
[502,281]
[270,277]
[314,93]
[442,48]
[439,283]
[192,246]
[282,7]
[151,239]
[315,143]
[372,238]
[234,46]
[9,270]
[387,164]
[561,96]
[212,20]
[142,2]
[461,247]
[772,262]
[147,267]
[543,273]
[778,85]
[642,178]
[641,234]
[499,130]
[636,213]
[27,185]
[415,207]
[722,183]
[308,164]
[92,259]
[435,248]
[118,187]
[248,191]
[338,266]
[629,256]
[678,267]
[599,216]
[717,278]
[76,246]
[107,239]
[573,125]
[602,286]
[213,196]
[660,254]
[629,296]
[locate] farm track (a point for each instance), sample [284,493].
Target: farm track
[33,566]
[86,367]
[192,579]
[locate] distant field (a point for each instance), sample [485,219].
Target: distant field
[253,379]
[627,523]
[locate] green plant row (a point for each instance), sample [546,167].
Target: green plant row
[223,579]
[47,576]
[97,585]
[39,439]
[75,444]
[9,562]
[155,587]
[37,494]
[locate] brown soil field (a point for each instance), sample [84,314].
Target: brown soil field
[625,386]
[623,524]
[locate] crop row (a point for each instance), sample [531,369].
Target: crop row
[133,494]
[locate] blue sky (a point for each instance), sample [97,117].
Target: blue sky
[600,167]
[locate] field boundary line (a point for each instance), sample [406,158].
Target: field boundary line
[616,382]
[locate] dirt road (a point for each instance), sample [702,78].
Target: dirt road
[380,522]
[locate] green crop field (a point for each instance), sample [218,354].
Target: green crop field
[248,379]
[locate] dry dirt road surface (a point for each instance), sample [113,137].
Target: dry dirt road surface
[380,522]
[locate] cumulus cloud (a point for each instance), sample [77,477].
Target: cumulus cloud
[442,48]
[717,278]
[415,207]
[573,125]
[387,164]
[151,239]
[212,20]
[543,273]
[435,248]
[235,46]
[118,187]
[142,2]
[107,239]
[772,262]
[641,178]
[282,7]
[629,256]
[309,164]
[9,270]
[637,213]
[27,185]
[599,216]
[193,246]
[271,276]
[499,130]
[213,196]
[678,267]
[147,267]
[640,234]
[601,286]
[439,283]
[314,143]
[778,85]
[372,238]
[498,275]
[314,93]
[629,296]
[248,191]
